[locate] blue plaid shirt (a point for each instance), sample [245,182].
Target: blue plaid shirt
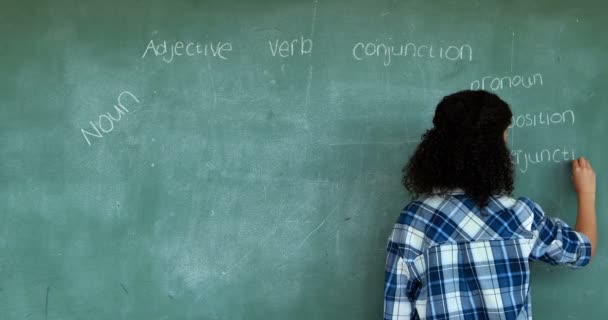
[446,260]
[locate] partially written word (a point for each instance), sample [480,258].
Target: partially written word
[526,159]
[507,82]
[423,51]
[105,122]
[187,49]
[297,46]
[542,119]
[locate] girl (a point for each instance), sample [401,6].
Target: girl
[461,249]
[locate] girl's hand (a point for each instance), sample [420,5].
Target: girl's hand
[583,176]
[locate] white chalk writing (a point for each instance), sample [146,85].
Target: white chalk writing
[525,159]
[105,122]
[301,46]
[543,119]
[428,51]
[188,49]
[507,82]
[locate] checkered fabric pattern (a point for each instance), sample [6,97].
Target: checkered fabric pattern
[448,260]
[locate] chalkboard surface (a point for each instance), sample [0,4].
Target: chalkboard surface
[242,159]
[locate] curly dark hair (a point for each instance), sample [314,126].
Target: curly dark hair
[465,149]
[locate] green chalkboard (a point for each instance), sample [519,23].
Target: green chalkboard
[242,159]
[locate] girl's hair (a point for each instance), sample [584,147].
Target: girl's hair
[465,149]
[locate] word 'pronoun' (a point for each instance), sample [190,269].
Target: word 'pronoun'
[497,83]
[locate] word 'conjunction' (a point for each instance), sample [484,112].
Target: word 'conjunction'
[525,159]
[363,50]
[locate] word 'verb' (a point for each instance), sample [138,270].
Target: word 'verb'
[298,46]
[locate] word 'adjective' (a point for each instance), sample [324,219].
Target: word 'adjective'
[190,49]
[301,46]
[105,122]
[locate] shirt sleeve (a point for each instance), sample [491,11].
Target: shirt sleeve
[399,287]
[558,243]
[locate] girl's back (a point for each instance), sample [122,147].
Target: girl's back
[461,249]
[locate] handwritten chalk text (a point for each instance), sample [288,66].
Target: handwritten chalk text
[542,119]
[507,82]
[218,49]
[105,122]
[301,46]
[424,51]
[526,159]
